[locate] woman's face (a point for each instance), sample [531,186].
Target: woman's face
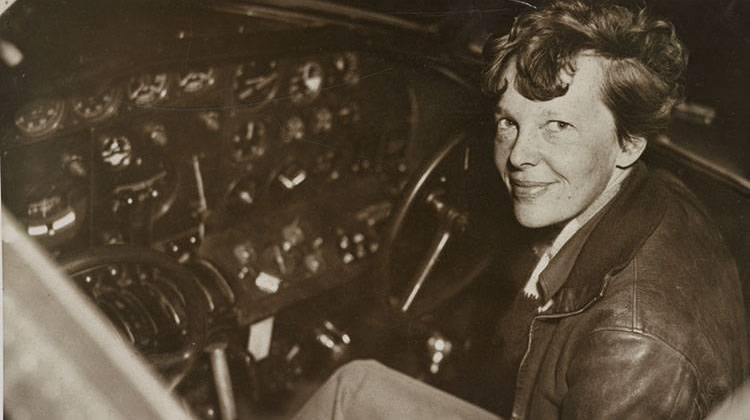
[557,156]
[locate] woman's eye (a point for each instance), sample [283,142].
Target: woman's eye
[557,126]
[505,124]
[506,130]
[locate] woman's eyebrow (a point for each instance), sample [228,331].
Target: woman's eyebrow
[499,110]
[504,113]
[551,114]
[559,115]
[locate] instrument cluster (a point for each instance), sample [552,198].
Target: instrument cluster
[254,84]
[221,159]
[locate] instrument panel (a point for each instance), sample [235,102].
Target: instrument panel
[276,170]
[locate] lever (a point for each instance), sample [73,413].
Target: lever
[451,221]
[223,381]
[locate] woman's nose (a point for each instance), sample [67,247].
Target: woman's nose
[525,150]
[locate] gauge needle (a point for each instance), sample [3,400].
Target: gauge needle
[279,259]
[266,80]
[202,204]
[255,84]
[314,83]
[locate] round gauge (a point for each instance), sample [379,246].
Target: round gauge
[307,83]
[50,215]
[43,207]
[211,120]
[322,121]
[347,64]
[245,192]
[256,82]
[97,106]
[40,117]
[293,129]
[291,175]
[116,151]
[250,142]
[54,210]
[147,186]
[147,89]
[74,165]
[157,133]
[197,80]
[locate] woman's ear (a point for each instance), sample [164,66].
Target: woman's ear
[631,149]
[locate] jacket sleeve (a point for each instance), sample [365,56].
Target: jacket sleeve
[618,374]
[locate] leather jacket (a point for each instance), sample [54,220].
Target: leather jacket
[647,319]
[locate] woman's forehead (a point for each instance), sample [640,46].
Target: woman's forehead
[582,97]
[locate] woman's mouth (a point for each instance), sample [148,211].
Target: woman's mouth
[528,190]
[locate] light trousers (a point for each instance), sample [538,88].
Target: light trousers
[368,390]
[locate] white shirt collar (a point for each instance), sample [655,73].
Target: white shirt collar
[531,289]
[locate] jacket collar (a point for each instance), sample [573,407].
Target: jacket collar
[578,274]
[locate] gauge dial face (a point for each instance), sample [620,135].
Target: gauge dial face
[147,89]
[307,82]
[157,133]
[43,207]
[97,106]
[116,151]
[52,208]
[74,165]
[292,176]
[147,180]
[250,142]
[40,117]
[347,65]
[322,121]
[256,82]
[245,192]
[211,120]
[197,80]
[293,129]
[49,215]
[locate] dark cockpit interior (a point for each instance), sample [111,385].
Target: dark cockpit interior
[270,189]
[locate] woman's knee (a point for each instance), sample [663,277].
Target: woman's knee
[357,370]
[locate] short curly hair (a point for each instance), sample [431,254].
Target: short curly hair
[645,60]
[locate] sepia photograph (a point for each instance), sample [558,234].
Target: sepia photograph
[350,209]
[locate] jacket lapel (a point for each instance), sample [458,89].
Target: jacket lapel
[604,246]
[607,245]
